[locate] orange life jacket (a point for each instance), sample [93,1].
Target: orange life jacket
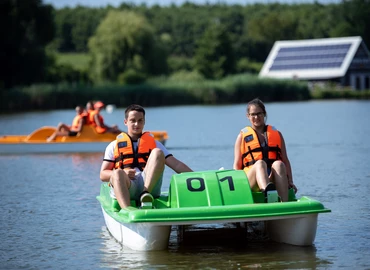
[252,150]
[76,122]
[127,157]
[93,123]
[87,115]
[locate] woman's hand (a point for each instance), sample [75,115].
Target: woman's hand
[291,185]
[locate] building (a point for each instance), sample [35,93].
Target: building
[343,61]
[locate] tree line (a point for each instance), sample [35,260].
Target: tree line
[130,43]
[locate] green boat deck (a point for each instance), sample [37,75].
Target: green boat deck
[208,196]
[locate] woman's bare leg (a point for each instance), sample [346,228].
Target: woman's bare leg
[280,178]
[257,176]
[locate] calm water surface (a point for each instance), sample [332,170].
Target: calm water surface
[51,219]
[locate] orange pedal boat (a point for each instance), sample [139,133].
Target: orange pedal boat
[87,135]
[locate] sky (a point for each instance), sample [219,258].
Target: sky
[115,3]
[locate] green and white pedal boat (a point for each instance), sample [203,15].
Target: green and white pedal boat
[209,197]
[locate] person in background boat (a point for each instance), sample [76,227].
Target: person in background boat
[260,151]
[134,163]
[88,111]
[97,120]
[74,129]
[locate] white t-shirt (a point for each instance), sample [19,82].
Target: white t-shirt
[109,151]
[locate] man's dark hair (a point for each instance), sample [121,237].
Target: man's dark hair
[134,107]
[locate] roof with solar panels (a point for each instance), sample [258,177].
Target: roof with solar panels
[313,59]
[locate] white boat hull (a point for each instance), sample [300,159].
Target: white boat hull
[139,236]
[295,230]
[299,231]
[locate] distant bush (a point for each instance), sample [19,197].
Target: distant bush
[245,65]
[340,94]
[66,73]
[158,91]
[79,61]
[184,75]
[176,63]
[131,77]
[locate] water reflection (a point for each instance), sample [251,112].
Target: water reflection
[114,255]
[214,250]
[80,160]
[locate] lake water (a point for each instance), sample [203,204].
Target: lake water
[51,219]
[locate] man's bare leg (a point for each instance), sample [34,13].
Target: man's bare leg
[56,134]
[121,184]
[62,126]
[62,130]
[154,169]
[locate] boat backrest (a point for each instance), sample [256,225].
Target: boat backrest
[41,134]
[210,188]
[88,131]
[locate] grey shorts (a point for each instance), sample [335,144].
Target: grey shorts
[137,186]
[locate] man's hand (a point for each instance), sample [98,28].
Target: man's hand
[130,173]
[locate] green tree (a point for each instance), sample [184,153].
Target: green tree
[314,21]
[63,19]
[75,26]
[275,25]
[214,56]
[27,27]
[86,21]
[124,40]
[354,20]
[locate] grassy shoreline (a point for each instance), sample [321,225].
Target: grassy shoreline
[163,92]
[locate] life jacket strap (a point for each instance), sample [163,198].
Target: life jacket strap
[135,163]
[122,157]
[250,151]
[266,159]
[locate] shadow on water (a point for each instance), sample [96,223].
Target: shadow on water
[216,249]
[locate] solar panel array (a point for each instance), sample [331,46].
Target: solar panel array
[310,57]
